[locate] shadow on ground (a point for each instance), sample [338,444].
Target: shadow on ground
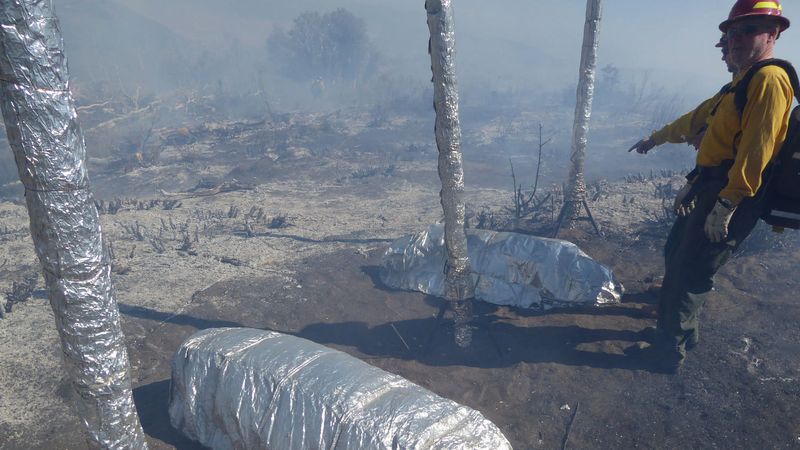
[495,343]
[501,338]
[152,402]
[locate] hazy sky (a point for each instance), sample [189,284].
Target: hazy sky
[513,42]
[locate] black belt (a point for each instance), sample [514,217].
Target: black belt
[719,172]
[710,172]
[700,174]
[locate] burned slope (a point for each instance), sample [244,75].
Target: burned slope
[315,275]
[294,244]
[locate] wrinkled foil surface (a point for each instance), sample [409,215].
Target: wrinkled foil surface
[442,48]
[508,269]
[43,131]
[576,189]
[241,388]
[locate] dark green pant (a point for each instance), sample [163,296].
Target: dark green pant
[691,261]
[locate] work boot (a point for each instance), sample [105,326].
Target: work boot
[693,340]
[650,334]
[662,352]
[662,358]
[653,334]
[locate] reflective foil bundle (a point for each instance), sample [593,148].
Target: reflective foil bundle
[241,388]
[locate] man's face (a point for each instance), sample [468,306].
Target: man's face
[723,47]
[731,67]
[749,40]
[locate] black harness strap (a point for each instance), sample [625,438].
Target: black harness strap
[740,95]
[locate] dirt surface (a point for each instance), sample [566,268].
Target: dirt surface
[548,379]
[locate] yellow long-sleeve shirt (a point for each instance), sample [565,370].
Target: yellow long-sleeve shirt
[757,135]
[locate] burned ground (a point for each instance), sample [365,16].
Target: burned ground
[279,223]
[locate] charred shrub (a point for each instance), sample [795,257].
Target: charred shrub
[20,292]
[486,219]
[367,172]
[279,221]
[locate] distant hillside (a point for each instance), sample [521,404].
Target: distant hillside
[108,43]
[487,50]
[213,23]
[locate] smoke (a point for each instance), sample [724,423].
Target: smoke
[520,58]
[523,46]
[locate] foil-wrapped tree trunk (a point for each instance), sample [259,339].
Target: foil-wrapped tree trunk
[42,126]
[459,287]
[575,193]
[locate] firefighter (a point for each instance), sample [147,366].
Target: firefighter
[689,128]
[733,155]
[722,45]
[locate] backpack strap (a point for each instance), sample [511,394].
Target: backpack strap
[724,90]
[740,96]
[740,90]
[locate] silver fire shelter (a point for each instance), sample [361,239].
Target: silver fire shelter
[508,269]
[43,131]
[241,388]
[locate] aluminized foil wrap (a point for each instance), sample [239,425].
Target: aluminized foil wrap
[442,48]
[508,269]
[241,388]
[43,131]
[576,188]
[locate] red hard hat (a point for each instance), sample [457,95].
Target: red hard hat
[749,8]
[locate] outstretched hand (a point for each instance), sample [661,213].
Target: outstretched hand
[643,146]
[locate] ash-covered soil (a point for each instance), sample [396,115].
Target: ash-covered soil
[281,225]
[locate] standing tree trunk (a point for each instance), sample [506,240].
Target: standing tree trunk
[43,131]
[459,288]
[575,193]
